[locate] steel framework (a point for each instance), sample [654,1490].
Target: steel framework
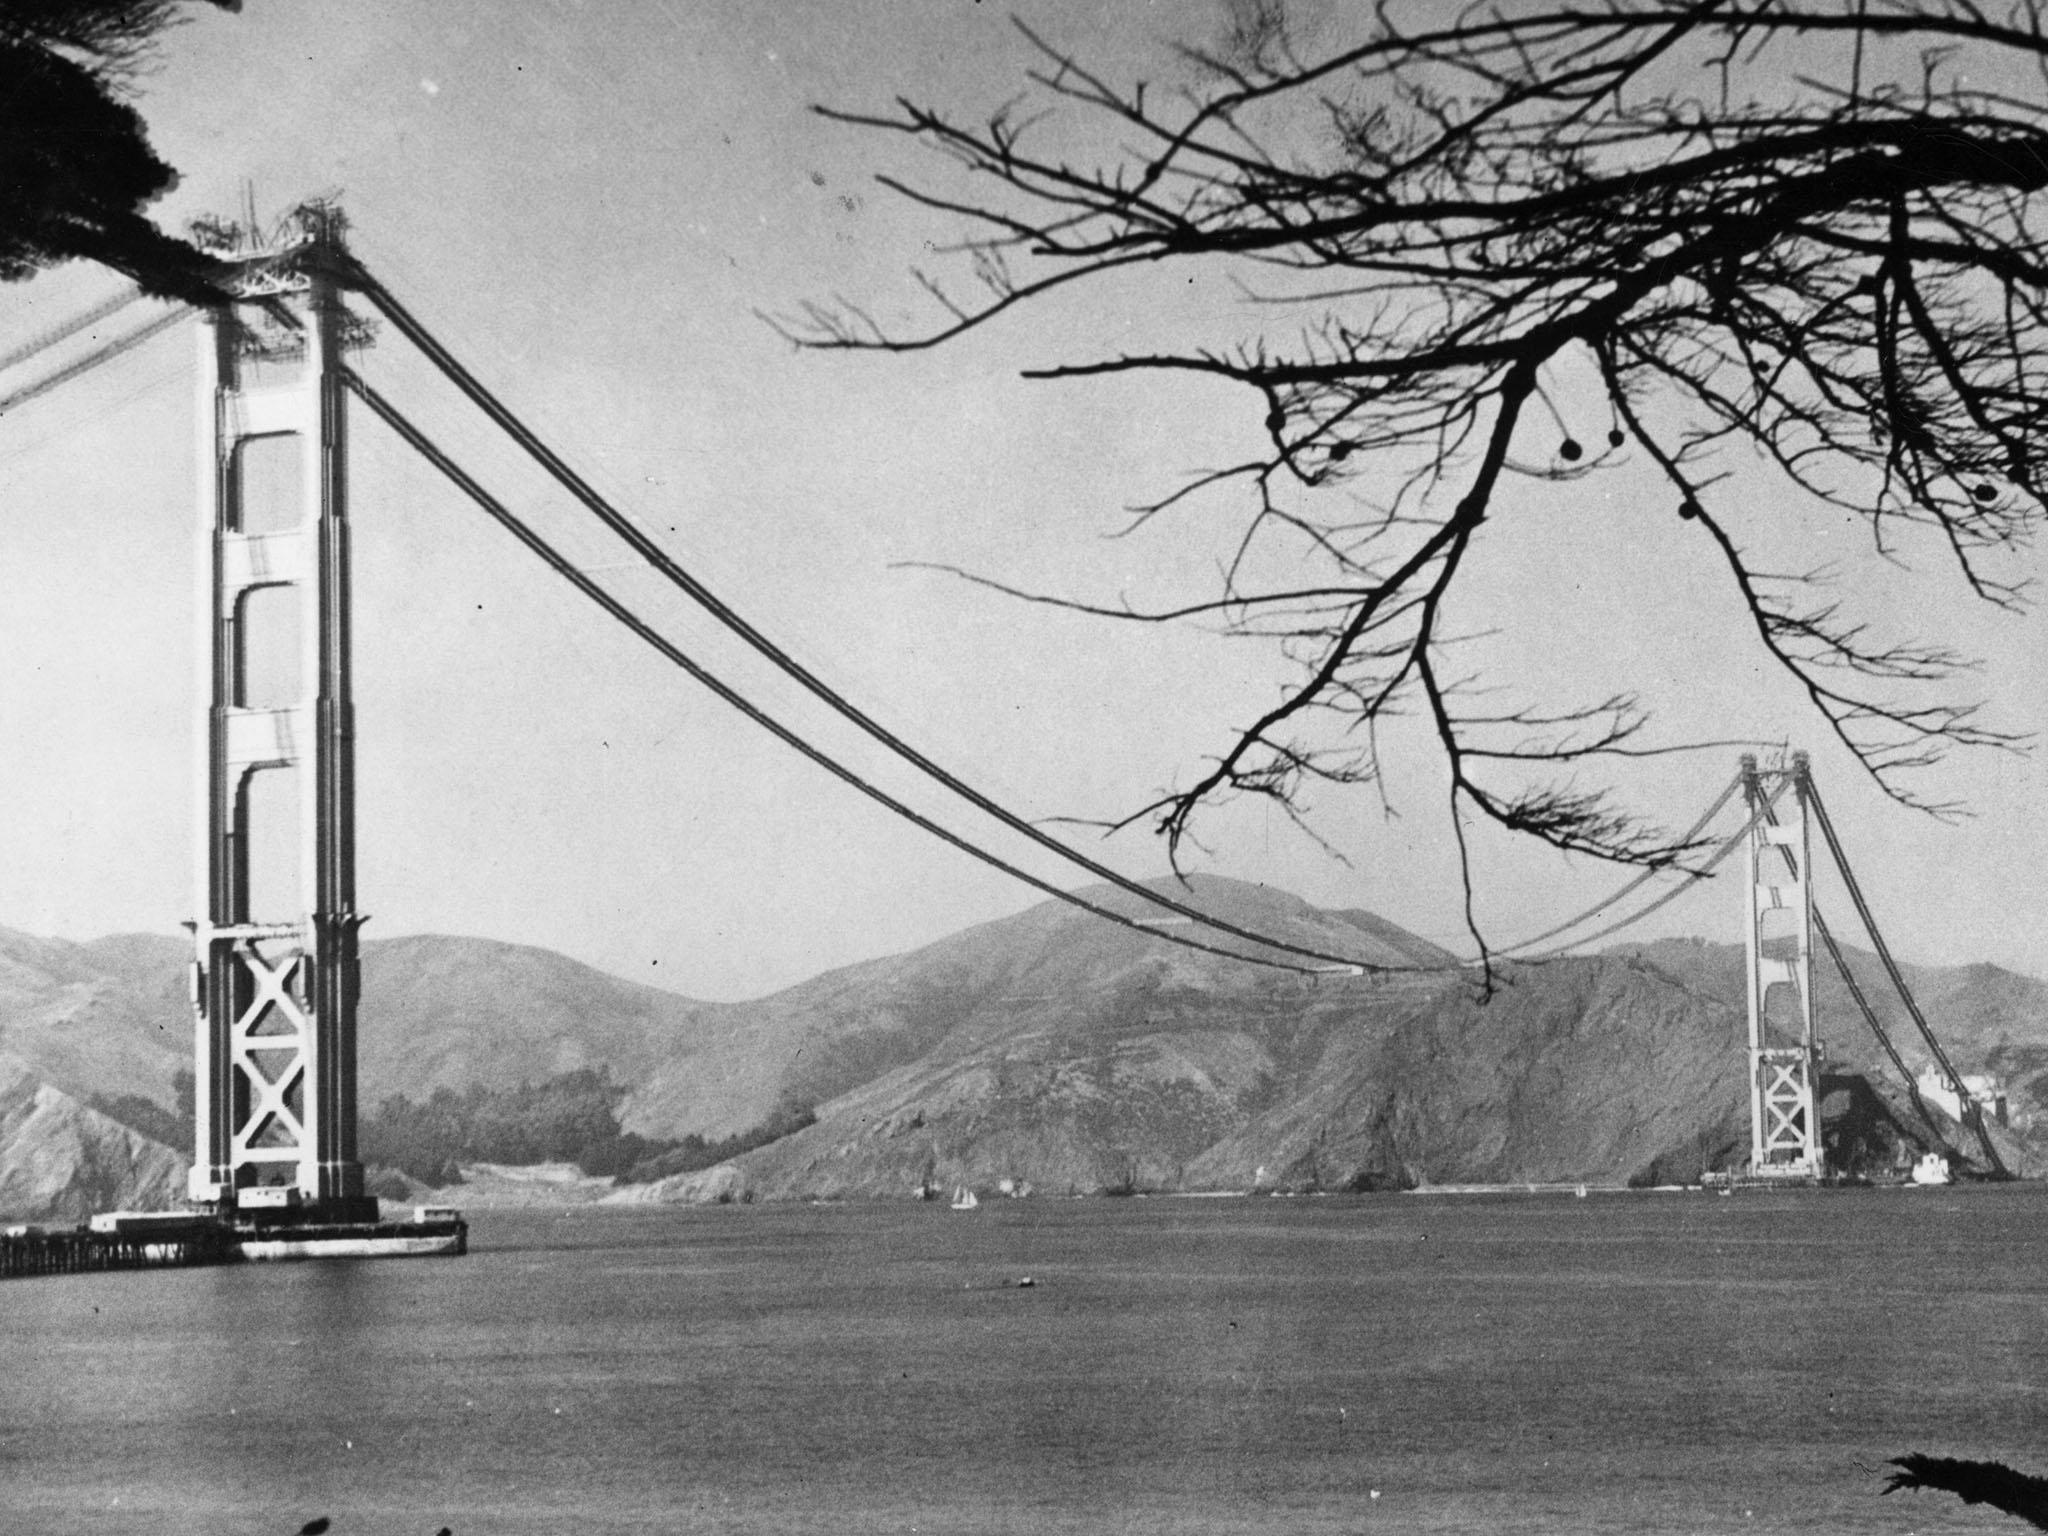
[274,991]
[1784,1053]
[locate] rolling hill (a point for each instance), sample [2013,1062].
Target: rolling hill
[112,1016]
[1051,967]
[1053,1049]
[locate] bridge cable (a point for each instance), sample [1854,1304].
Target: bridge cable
[1884,953]
[1693,878]
[666,566]
[69,328]
[1898,978]
[563,567]
[1767,812]
[472,388]
[92,360]
[1884,1039]
[1856,993]
[1685,841]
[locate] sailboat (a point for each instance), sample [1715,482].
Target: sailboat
[964,1200]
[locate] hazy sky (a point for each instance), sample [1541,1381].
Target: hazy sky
[589,203]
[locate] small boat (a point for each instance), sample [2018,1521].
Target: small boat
[963,1199]
[1931,1169]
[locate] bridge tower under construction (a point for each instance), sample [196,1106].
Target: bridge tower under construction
[275,971]
[1784,1053]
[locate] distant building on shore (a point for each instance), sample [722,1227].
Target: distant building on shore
[1981,1087]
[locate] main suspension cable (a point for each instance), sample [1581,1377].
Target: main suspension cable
[69,328]
[659,559]
[1834,948]
[1827,937]
[1884,953]
[571,573]
[1692,877]
[92,360]
[1898,979]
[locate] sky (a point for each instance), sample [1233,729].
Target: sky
[593,206]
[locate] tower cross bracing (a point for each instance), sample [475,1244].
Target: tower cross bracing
[275,967]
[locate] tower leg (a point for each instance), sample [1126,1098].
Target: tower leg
[1784,1054]
[275,963]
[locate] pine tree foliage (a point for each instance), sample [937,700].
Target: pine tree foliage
[76,166]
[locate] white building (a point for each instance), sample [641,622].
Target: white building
[1979,1086]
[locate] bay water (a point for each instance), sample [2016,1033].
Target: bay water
[1640,1362]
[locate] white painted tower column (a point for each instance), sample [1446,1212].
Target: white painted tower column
[1784,1056]
[275,972]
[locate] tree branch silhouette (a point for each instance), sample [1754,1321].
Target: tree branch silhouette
[75,160]
[1835,270]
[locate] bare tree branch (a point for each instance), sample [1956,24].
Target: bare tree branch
[1790,229]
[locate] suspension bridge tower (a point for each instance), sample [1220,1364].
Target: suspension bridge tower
[275,972]
[1784,1054]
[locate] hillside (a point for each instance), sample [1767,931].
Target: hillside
[1987,1019]
[100,1029]
[1052,1048]
[1594,1069]
[107,1017]
[1050,967]
[442,1012]
[60,1161]
[112,1017]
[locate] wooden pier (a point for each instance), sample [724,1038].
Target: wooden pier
[81,1251]
[187,1239]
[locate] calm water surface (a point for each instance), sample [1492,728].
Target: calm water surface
[1680,1363]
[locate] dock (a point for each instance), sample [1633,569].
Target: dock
[121,1240]
[33,1251]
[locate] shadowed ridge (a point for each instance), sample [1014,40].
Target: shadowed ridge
[62,1160]
[1048,969]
